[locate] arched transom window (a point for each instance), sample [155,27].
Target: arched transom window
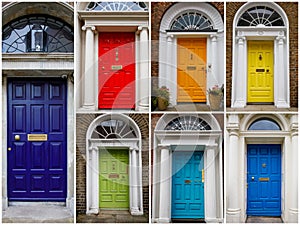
[37,33]
[260,16]
[117,6]
[114,129]
[191,21]
[187,123]
[264,124]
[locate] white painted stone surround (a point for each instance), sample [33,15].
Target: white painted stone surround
[135,165]
[168,47]
[162,167]
[238,137]
[280,36]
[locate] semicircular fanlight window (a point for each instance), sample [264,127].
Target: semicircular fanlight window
[188,123]
[117,6]
[260,16]
[37,33]
[191,21]
[114,129]
[264,124]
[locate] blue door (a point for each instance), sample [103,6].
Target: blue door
[264,180]
[187,185]
[37,148]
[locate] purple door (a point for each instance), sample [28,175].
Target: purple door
[37,147]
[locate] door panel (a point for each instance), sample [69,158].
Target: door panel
[187,185]
[37,169]
[191,70]
[114,179]
[264,180]
[260,72]
[116,70]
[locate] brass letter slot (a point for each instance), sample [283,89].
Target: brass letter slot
[191,67]
[113,175]
[264,179]
[116,67]
[260,70]
[187,181]
[37,137]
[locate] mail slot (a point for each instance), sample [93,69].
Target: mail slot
[187,181]
[113,175]
[264,179]
[116,67]
[260,70]
[37,137]
[191,67]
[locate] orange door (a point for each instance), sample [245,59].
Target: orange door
[191,70]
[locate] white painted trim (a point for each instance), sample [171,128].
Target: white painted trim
[92,165]
[280,36]
[168,47]
[162,188]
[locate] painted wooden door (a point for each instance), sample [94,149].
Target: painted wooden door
[114,179]
[37,146]
[188,185]
[116,80]
[264,180]
[191,70]
[260,72]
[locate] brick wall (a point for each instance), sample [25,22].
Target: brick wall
[82,123]
[291,9]
[158,9]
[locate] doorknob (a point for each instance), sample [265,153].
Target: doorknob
[103,68]
[17,137]
[252,178]
[9,149]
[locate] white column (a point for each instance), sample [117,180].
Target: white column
[214,56]
[94,182]
[164,201]
[210,179]
[293,209]
[89,81]
[240,75]
[170,83]
[281,79]
[233,209]
[144,69]
[134,167]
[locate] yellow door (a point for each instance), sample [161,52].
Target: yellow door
[191,70]
[260,72]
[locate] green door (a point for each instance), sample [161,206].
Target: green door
[114,179]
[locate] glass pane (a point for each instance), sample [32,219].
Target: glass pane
[117,6]
[36,33]
[188,123]
[264,124]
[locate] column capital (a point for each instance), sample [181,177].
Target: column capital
[85,27]
[280,39]
[140,28]
[133,149]
[213,37]
[170,37]
[240,40]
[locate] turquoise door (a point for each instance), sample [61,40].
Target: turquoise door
[187,185]
[264,180]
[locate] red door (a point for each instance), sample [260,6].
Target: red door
[116,71]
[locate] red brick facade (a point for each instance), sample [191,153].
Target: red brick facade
[291,9]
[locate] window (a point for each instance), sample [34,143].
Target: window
[260,16]
[191,21]
[117,6]
[37,33]
[264,124]
[188,123]
[113,129]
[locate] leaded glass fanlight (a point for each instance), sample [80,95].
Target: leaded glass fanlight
[192,21]
[114,129]
[264,124]
[260,16]
[37,33]
[187,123]
[117,6]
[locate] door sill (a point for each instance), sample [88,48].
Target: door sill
[260,103]
[188,220]
[24,203]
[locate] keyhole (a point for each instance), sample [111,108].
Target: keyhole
[260,57]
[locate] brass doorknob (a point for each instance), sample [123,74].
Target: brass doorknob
[17,137]
[9,149]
